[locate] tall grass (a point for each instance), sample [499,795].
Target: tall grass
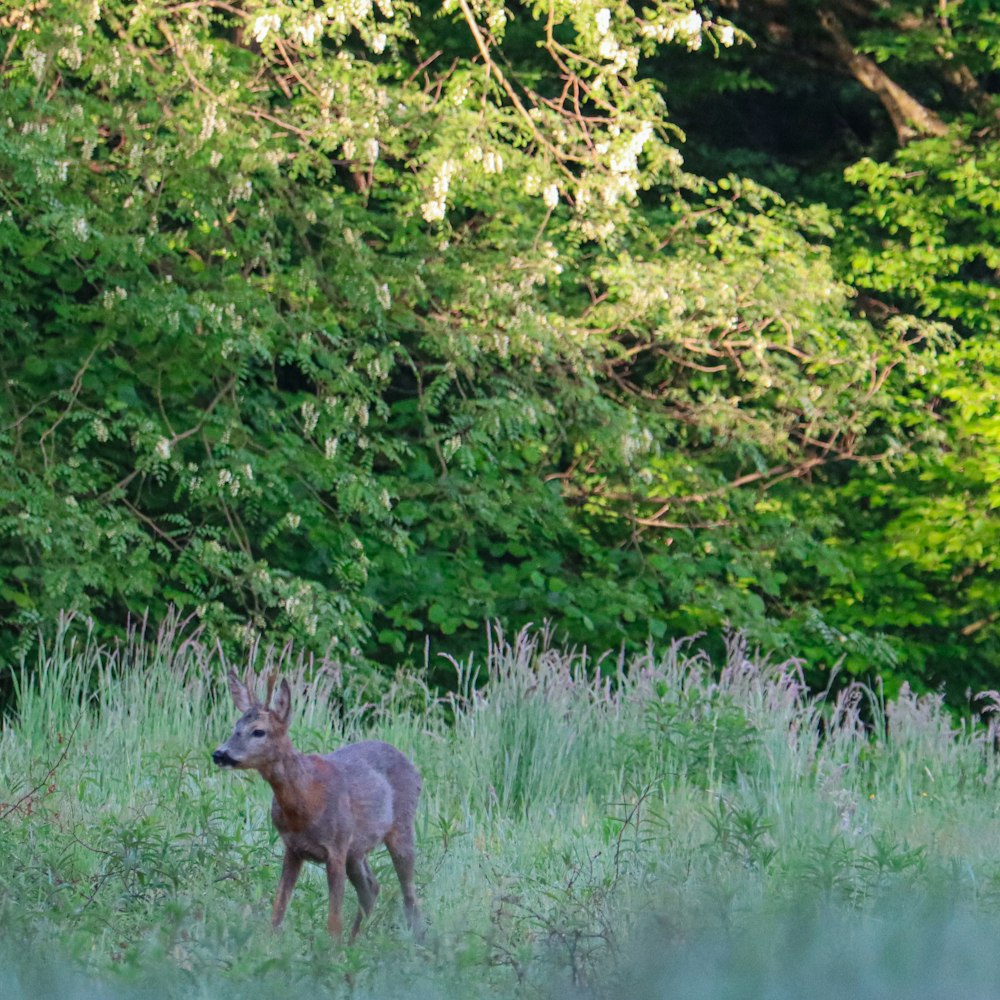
[660,822]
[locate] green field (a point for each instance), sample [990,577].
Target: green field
[663,827]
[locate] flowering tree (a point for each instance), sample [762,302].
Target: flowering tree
[361,320]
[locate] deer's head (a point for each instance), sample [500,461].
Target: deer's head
[261,733]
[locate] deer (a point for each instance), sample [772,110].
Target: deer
[330,809]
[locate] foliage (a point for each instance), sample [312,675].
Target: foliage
[366,322]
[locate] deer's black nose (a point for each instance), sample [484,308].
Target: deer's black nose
[222,758]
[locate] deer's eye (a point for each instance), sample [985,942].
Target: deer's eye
[258,733]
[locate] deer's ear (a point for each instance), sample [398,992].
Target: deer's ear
[242,698]
[281,705]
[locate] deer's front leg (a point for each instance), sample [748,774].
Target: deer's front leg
[336,874]
[290,869]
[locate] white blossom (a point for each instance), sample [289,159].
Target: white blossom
[551,196]
[492,162]
[263,25]
[689,27]
[112,296]
[37,58]
[727,35]
[241,190]
[310,416]
[163,448]
[310,29]
[434,209]
[609,48]
[603,18]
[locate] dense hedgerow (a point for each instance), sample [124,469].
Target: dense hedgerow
[357,323]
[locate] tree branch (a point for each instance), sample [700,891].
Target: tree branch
[909,117]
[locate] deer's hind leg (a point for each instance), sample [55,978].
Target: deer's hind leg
[365,885]
[400,843]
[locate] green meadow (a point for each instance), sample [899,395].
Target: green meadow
[662,826]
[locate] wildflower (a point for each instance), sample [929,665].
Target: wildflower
[163,448]
[603,18]
[551,196]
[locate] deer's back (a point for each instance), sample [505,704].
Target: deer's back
[382,784]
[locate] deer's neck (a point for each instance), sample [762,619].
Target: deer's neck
[302,789]
[288,776]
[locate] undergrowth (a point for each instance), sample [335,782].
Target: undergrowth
[585,824]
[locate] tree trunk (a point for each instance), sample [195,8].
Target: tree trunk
[909,117]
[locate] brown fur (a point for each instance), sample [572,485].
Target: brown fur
[332,809]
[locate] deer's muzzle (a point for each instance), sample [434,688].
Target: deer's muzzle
[223,759]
